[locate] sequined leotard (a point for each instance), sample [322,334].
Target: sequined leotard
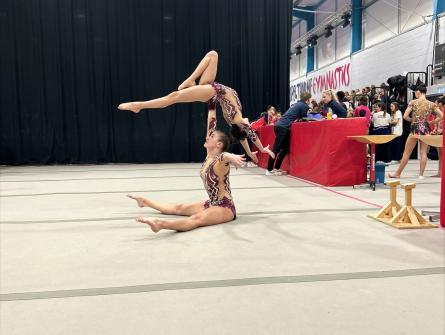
[215,175]
[422,109]
[231,106]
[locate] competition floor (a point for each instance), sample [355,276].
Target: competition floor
[300,259]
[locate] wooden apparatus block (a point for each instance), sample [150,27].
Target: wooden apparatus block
[392,207]
[405,217]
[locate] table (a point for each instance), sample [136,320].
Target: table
[432,140]
[373,140]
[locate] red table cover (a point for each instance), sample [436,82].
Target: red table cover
[321,152]
[442,191]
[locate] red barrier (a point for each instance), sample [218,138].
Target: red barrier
[442,190]
[320,151]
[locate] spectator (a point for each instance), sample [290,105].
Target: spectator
[381,121]
[362,110]
[383,95]
[277,117]
[396,145]
[282,133]
[330,100]
[342,99]
[314,107]
[372,94]
[265,118]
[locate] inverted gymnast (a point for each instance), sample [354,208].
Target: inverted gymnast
[208,91]
[215,175]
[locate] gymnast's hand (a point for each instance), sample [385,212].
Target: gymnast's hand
[254,157]
[266,150]
[237,160]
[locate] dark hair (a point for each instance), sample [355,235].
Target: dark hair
[224,139]
[271,107]
[340,95]
[441,100]
[363,100]
[396,104]
[305,95]
[421,89]
[382,106]
[237,133]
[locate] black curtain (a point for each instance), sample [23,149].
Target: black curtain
[66,64]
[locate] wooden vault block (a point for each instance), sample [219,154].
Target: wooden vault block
[405,217]
[392,207]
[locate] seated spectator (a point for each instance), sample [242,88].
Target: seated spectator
[331,102]
[265,118]
[276,117]
[314,107]
[314,111]
[362,110]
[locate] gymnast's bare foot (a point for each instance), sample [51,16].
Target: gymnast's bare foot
[392,175]
[130,106]
[186,83]
[140,200]
[154,224]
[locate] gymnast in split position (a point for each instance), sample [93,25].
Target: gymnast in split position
[215,175]
[208,91]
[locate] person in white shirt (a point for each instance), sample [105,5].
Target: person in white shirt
[381,121]
[396,145]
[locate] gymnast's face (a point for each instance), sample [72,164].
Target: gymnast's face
[212,141]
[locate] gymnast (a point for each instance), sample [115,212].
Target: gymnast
[215,175]
[208,91]
[421,109]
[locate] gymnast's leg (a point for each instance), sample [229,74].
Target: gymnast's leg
[201,93]
[169,209]
[210,216]
[206,69]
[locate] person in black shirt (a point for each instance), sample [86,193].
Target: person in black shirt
[330,100]
[282,132]
[342,99]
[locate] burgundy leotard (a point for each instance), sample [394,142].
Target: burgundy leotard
[217,185]
[231,106]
